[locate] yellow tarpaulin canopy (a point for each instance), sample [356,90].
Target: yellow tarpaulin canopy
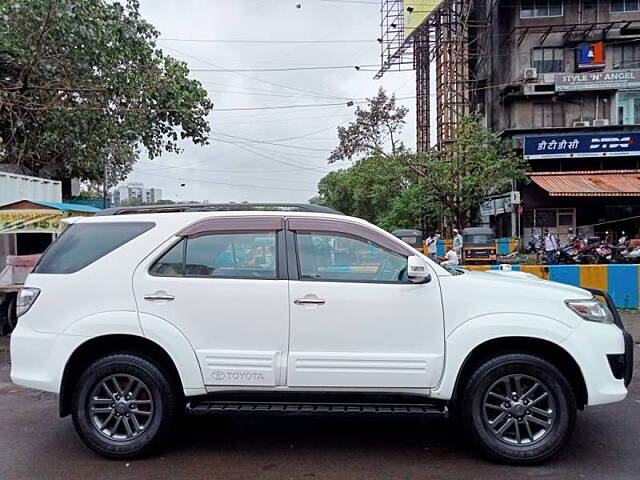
[34,221]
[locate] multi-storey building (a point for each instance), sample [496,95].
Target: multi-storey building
[137,193]
[562,80]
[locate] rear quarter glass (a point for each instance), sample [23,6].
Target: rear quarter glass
[81,244]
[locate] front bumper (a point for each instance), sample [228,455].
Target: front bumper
[593,345]
[621,367]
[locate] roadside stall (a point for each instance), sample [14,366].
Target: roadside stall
[27,228]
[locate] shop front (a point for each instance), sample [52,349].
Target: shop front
[588,182]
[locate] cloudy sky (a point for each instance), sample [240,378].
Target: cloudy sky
[269,154]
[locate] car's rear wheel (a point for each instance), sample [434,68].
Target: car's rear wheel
[124,405]
[519,408]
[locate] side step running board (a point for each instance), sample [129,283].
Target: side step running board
[208,407]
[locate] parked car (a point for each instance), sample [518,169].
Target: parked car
[134,318]
[479,245]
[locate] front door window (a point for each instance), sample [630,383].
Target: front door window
[335,257]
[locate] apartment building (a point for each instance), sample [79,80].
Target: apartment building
[137,193]
[562,81]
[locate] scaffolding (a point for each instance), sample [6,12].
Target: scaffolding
[451,42]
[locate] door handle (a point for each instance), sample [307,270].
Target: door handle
[156,297]
[309,301]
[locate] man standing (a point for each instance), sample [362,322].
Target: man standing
[457,243]
[432,246]
[551,245]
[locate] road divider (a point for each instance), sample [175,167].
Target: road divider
[620,281]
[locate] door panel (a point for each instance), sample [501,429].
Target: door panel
[366,335]
[238,327]
[356,320]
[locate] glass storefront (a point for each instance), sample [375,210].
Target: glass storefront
[628,107]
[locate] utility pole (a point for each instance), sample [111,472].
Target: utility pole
[104,178]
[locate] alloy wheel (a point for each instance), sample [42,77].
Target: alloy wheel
[121,407]
[519,410]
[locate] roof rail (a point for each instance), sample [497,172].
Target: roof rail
[219,207]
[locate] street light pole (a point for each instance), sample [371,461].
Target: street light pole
[104,179]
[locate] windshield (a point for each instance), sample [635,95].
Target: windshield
[479,239]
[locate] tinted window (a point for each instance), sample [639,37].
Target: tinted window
[84,243]
[235,255]
[341,258]
[171,263]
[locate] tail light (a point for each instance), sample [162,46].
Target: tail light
[26,297]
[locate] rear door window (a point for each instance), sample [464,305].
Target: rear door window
[222,255]
[81,244]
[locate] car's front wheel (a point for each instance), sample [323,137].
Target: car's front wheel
[124,405]
[519,408]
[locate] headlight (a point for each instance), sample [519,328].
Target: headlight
[592,310]
[26,297]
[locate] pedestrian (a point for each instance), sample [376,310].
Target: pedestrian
[452,258]
[457,243]
[551,246]
[432,246]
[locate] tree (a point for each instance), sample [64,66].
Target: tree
[364,189]
[477,164]
[397,188]
[80,81]
[374,132]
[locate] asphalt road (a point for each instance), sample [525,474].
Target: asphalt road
[36,444]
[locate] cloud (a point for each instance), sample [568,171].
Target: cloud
[250,156]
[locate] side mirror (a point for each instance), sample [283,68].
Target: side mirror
[417,270]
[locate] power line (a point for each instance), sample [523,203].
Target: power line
[275,42]
[287,69]
[246,185]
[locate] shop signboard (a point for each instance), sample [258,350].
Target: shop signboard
[572,145]
[606,80]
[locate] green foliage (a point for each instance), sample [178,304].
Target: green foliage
[476,165]
[364,189]
[375,126]
[400,189]
[80,80]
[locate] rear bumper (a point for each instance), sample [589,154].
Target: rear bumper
[38,359]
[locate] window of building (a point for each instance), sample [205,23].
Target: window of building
[628,108]
[625,5]
[541,8]
[548,114]
[626,55]
[336,257]
[548,60]
[238,255]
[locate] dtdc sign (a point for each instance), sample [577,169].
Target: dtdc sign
[610,144]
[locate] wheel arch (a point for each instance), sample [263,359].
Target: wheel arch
[97,347]
[545,349]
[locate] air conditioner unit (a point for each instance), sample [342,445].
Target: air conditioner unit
[582,123]
[537,89]
[530,74]
[601,122]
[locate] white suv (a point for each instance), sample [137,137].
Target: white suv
[133,318]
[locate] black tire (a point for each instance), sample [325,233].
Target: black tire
[509,446]
[158,391]
[12,316]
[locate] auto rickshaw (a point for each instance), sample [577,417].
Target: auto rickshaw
[479,245]
[411,237]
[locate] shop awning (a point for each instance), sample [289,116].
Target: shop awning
[27,216]
[592,183]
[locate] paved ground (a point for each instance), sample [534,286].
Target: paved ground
[36,444]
